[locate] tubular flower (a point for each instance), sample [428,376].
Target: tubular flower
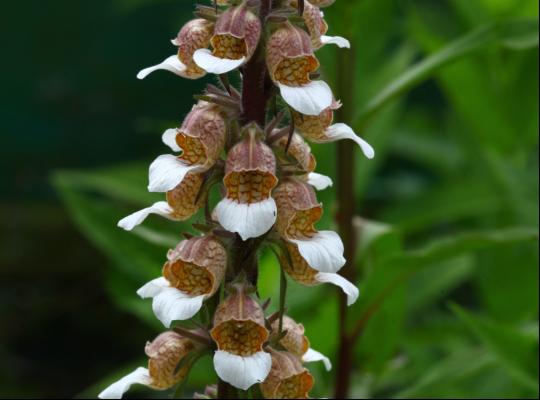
[319,129]
[317,27]
[196,34]
[296,342]
[248,208]
[296,266]
[239,332]
[234,41]
[290,60]
[288,379]
[300,151]
[192,274]
[164,355]
[201,139]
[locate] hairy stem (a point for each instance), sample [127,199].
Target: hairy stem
[346,205]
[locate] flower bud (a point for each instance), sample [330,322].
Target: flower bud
[294,340]
[194,35]
[288,379]
[300,151]
[235,39]
[314,21]
[298,209]
[165,353]
[248,207]
[196,266]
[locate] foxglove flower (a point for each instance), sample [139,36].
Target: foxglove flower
[192,274]
[296,266]
[248,208]
[317,27]
[288,379]
[201,139]
[239,332]
[296,342]
[164,353]
[196,34]
[300,151]
[234,41]
[290,60]
[319,129]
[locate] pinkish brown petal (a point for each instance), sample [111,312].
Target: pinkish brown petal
[194,35]
[183,199]
[295,340]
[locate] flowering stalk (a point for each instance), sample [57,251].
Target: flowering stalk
[236,142]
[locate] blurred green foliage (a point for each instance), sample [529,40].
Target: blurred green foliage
[448,96]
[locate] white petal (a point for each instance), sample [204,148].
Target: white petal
[323,252]
[318,181]
[117,389]
[175,42]
[248,220]
[348,288]
[314,356]
[242,372]
[344,131]
[310,99]
[215,65]
[172,64]
[337,40]
[167,172]
[170,304]
[160,208]
[169,138]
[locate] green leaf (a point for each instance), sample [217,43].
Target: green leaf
[517,351]
[514,32]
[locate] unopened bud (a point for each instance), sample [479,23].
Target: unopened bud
[294,340]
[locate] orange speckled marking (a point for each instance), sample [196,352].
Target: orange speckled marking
[243,338]
[248,187]
[183,197]
[295,387]
[300,271]
[193,150]
[163,363]
[295,71]
[189,278]
[228,46]
[301,225]
[313,126]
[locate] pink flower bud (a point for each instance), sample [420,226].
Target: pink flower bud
[298,209]
[289,55]
[288,379]
[314,22]
[295,340]
[300,151]
[165,353]
[196,266]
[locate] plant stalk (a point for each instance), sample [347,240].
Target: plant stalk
[346,204]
